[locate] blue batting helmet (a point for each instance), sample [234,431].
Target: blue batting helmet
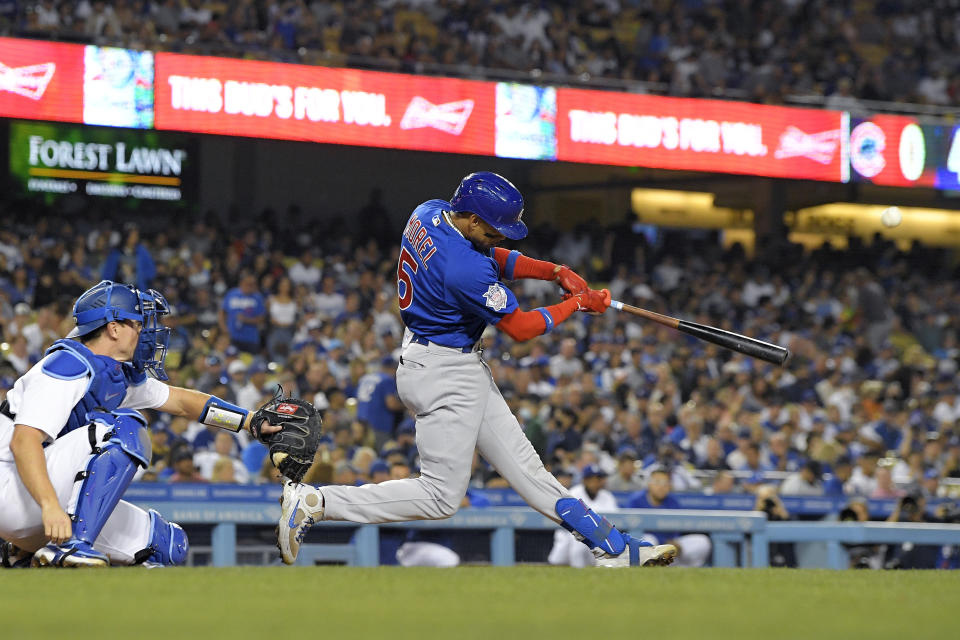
[113,302]
[494,199]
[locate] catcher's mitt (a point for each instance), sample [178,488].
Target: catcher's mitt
[293,447]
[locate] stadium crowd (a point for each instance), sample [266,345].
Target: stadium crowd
[837,51]
[867,406]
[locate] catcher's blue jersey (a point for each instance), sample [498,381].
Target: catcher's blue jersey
[448,289]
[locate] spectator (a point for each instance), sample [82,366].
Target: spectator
[884,484]
[225,447]
[283,316]
[723,482]
[863,481]
[329,303]
[377,401]
[18,357]
[566,364]
[694,548]
[910,508]
[805,482]
[305,272]
[184,470]
[767,500]
[242,314]
[224,471]
[379,471]
[130,262]
[625,478]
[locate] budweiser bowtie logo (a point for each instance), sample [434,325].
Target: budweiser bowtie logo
[818,147]
[29,82]
[450,117]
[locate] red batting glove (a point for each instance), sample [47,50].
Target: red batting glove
[591,300]
[570,280]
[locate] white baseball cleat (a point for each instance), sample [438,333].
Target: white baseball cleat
[74,553]
[301,505]
[638,554]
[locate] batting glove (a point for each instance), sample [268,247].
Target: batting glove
[591,300]
[570,280]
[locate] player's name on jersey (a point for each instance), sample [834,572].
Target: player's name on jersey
[416,234]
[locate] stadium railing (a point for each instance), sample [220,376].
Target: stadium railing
[740,537]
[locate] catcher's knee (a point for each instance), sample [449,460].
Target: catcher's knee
[128,431]
[168,544]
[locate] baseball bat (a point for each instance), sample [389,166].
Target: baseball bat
[727,339]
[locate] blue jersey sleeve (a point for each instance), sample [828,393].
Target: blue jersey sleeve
[475,284]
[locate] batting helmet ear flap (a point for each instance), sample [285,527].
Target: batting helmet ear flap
[494,200]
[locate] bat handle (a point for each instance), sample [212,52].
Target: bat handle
[616,304]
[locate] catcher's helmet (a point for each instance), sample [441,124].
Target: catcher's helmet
[494,199]
[112,302]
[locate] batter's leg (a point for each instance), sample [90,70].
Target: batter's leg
[502,442]
[448,395]
[504,445]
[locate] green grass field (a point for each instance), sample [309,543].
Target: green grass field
[477,602]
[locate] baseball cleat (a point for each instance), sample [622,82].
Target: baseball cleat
[13,557]
[73,553]
[300,506]
[660,555]
[638,554]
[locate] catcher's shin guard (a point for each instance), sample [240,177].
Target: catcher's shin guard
[168,544]
[109,471]
[593,529]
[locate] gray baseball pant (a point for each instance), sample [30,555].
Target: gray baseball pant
[458,408]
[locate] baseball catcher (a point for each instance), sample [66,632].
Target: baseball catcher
[293,447]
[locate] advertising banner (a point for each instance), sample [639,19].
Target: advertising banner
[700,135]
[343,106]
[60,159]
[899,151]
[118,87]
[41,80]
[526,125]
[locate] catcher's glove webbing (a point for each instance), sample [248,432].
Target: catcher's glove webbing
[293,447]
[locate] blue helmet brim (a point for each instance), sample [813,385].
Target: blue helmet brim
[514,231]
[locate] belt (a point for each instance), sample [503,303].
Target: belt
[5,410]
[427,343]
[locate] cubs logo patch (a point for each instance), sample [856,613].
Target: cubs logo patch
[496,297]
[287,408]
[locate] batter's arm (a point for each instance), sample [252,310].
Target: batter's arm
[514,266]
[524,325]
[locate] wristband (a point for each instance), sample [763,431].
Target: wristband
[222,414]
[547,318]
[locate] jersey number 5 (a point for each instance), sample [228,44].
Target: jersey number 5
[405,278]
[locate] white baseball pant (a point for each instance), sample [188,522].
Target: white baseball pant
[126,532]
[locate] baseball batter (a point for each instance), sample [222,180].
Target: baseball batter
[71,439]
[449,288]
